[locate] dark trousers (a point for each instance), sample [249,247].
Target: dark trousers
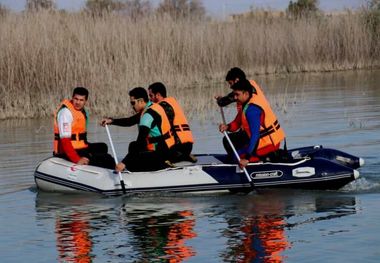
[98,155]
[180,152]
[239,139]
[139,161]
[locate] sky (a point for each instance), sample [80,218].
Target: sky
[219,8]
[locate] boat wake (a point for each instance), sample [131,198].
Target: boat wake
[362,185]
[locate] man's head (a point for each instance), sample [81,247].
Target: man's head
[138,98]
[242,91]
[234,75]
[79,99]
[157,92]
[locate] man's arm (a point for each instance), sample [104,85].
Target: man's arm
[253,117]
[127,122]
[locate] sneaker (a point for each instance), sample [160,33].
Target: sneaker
[191,158]
[169,164]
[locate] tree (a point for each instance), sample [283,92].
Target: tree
[99,7]
[182,8]
[3,10]
[36,5]
[302,8]
[137,8]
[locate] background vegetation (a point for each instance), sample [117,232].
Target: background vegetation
[44,53]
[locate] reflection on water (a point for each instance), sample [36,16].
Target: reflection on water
[254,227]
[74,242]
[163,237]
[337,110]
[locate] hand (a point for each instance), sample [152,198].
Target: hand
[83,161]
[223,127]
[243,163]
[106,121]
[119,167]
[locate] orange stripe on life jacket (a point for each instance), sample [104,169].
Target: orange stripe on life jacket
[165,129]
[271,133]
[78,127]
[180,125]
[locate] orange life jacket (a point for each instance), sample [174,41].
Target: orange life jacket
[78,127]
[180,126]
[271,134]
[166,134]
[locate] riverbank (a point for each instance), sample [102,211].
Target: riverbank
[44,55]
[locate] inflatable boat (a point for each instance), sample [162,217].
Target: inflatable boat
[312,167]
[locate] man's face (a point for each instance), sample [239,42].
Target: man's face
[241,96]
[138,105]
[79,101]
[232,82]
[152,96]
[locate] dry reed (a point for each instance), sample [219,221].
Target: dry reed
[44,55]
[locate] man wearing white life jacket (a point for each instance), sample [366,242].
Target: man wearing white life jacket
[180,128]
[70,133]
[151,149]
[261,133]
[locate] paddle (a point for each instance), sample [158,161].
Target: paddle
[115,158]
[235,152]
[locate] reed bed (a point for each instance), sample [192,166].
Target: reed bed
[44,55]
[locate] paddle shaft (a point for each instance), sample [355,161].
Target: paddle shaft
[234,150]
[115,158]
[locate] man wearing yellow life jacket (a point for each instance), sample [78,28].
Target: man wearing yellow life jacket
[70,133]
[260,133]
[151,149]
[180,128]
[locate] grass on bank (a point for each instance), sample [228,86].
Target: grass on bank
[44,55]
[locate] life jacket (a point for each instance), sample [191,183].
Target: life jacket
[165,129]
[78,127]
[271,133]
[180,126]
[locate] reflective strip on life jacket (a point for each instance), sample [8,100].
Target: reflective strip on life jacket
[271,132]
[78,127]
[165,129]
[180,125]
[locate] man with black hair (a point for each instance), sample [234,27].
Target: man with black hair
[262,134]
[151,149]
[70,133]
[180,128]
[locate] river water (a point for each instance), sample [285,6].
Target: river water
[337,110]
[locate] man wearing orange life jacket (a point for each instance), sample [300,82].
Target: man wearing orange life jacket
[151,149]
[70,133]
[261,133]
[180,128]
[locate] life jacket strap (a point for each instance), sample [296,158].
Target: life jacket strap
[159,138]
[271,129]
[182,127]
[74,137]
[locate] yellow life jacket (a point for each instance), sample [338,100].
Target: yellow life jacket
[179,124]
[78,127]
[165,129]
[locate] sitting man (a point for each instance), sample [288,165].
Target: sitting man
[151,149]
[70,133]
[261,133]
[180,128]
